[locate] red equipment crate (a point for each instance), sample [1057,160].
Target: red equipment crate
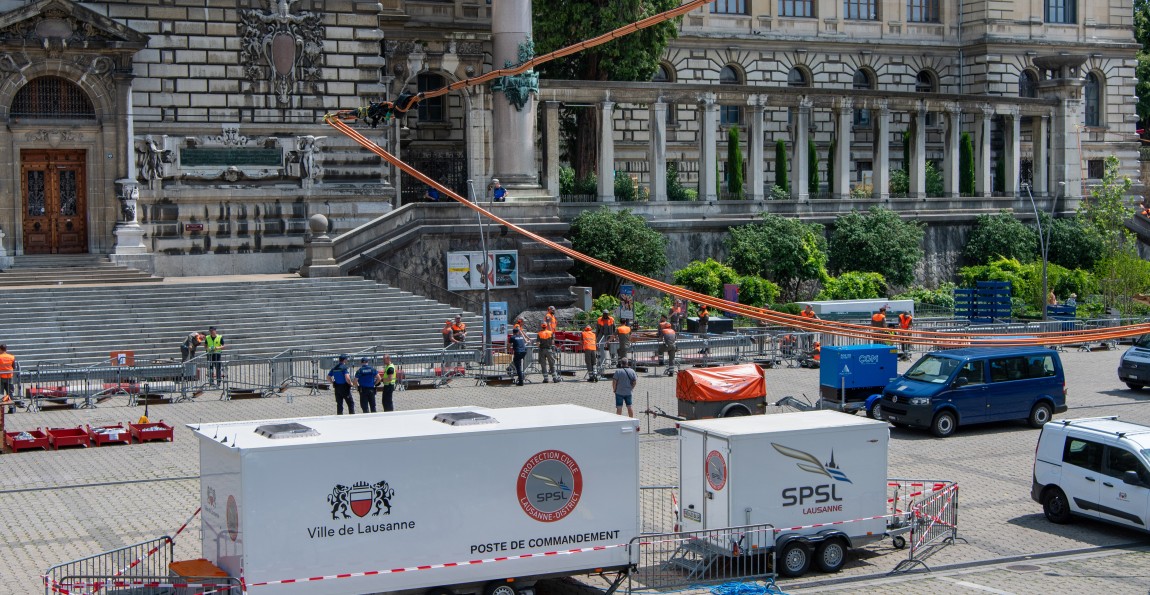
[48,391]
[38,440]
[76,436]
[149,432]
[109,434]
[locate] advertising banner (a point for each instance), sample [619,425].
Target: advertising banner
[466,270]
[731,294]
[627,302]
[499,329]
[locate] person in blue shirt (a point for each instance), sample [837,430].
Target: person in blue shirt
[365,379]
[519,349]
[498,192]
[341,384]
[431,195]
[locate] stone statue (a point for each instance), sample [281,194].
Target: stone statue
[150,159]
[310,158]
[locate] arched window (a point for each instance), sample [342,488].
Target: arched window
[730,114]
[925,82]
[52,97]
[863,81]
[434,108]
[1027,84]
[1093,99]
[663,74]
[798,78]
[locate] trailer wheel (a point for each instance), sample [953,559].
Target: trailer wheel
[498,588]
[898,541]
[795,559]
[736,411]
[831,555]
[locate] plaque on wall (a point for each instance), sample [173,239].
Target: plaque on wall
[226,156]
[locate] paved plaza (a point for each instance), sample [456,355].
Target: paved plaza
[59,506]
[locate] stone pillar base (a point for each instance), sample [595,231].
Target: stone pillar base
[130,239]
[140,262]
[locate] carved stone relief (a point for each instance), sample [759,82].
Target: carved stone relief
[281,48]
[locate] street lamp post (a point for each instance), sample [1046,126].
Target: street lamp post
[486,355]
[1043,240]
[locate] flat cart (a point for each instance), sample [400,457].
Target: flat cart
[725,391]
[113,434]
[76,436]
[151,432]
[25,440]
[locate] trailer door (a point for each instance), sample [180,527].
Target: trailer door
[716,474]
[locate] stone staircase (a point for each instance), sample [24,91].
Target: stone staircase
[83,325]
[69,269]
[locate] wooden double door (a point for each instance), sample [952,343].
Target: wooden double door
[54,202]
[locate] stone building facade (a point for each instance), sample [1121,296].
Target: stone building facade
[185,136]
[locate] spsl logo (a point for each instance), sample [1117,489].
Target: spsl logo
[812,494]
[550,485]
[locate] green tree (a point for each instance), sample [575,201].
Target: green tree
[1105,214]
[935,186]
[1026,281]
[1071,244]
[878,241]
[781,166]
[734,165]
[621,238]
[675,189]
[899,184]
[625,187]
[1000,236]
[966,165]
[853,285]
[1142,70]
[831,166]
[631,58]
[812,168]
[783,250]
[705,276]
[906,150]
[757,291]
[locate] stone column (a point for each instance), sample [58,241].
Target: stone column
[844,120]
[657,157]
[881,164]
[982,182]
[799,163]
[1066,87]
[1040,128]
[917,157]
[952,151]
[757,180]
[513,127]
[129,234]
[607,151]
[551,147]
[1012,138]
[318,260]
[708,175]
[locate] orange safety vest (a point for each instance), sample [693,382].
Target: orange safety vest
[623,330]
[904,321]
[544,334]
[609,321]
[551,322]
[817,351]
[878,319]
[807,313]
[459,328]
[588,341]
[7,364]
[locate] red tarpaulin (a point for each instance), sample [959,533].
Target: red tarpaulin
[726,383]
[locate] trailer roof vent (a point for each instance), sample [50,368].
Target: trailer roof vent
[465,418]
[288,430]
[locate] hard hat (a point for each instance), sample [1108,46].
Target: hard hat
[587,328]
[543,325]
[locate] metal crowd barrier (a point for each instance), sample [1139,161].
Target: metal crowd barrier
[658,509]
[148,585]
[928,511]
[85,386]
[145,559]
[674,560]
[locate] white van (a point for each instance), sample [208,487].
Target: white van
[1097,468]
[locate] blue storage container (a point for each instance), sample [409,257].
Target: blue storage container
[862,369]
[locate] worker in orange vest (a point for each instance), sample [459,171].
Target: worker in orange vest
[545,340]
[878,319]
[605,334]
[590,350]
[667,345]
[550,320]
[808,312]
[7,368]
[817,351]
[623,331]
[905,320]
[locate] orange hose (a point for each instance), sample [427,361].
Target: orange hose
[913,336]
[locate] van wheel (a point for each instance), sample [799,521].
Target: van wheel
[1055,506]
[875,411]
[831,555]
[795,559]
[498,588]
[1134,386]
[944,424]
[1039,415]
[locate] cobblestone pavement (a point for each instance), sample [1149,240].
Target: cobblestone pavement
[59,506]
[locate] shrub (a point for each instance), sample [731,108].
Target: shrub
[675,189]
[757,291]
[853,285]
[624,187]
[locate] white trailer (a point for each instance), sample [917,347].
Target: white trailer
[788,470]
[440,501]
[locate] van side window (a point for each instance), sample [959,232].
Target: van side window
[1119,461]
[973,371]
[1004,369]
[1040,366]
[1083,453]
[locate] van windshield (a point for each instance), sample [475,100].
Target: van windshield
[932,368]
[1143,342]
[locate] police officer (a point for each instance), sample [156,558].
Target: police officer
[546,342]
[365,378]
[519,351]
[341,384]
[388,377]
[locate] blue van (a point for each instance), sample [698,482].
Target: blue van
[975,385]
